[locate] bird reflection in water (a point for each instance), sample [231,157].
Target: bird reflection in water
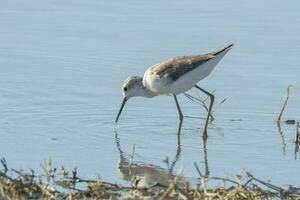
[146,175]
[204,147]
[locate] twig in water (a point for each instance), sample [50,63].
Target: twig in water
[198,170]
[284,104]
[224,179]
[202,178]
[74,173]
[282,137]
[202,102]
[280,190]
[296,151]
[297,139]
[3,161]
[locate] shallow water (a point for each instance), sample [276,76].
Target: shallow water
[62,64]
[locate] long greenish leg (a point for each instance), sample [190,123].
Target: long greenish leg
[178,108]
[212,98]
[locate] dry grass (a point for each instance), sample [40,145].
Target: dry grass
[26,185]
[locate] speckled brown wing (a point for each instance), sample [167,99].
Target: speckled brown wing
[176,67]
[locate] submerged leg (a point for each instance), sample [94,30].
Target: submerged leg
[178,150]
[178,108]
[212,98]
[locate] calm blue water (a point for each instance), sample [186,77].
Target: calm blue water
[62,64]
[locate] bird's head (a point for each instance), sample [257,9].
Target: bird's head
[131,87]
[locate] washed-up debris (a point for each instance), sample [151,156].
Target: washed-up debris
[62,184]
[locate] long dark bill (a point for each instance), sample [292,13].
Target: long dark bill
[122,106]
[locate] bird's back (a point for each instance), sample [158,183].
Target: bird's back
[172,73]
[176,67]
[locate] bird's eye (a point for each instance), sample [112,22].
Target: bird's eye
[125,89]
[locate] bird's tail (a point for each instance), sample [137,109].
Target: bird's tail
[225,49]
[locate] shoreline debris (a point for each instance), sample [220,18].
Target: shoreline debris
[20,184]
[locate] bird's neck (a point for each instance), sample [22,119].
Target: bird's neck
[145,92]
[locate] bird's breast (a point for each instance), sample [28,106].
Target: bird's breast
[155,83]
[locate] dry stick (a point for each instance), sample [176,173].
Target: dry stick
[285,102]
[297,139]
[198,101]
[182,196]
[216,178]
[3,161]
[198,170]
[170,188]
[269,185]
[202,178]
[224,179]
[4,175]
[296,151]
[282,137]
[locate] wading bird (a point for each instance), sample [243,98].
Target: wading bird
[172,77]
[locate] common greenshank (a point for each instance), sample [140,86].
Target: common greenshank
[172,77]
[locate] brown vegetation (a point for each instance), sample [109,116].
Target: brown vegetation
[26,185]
